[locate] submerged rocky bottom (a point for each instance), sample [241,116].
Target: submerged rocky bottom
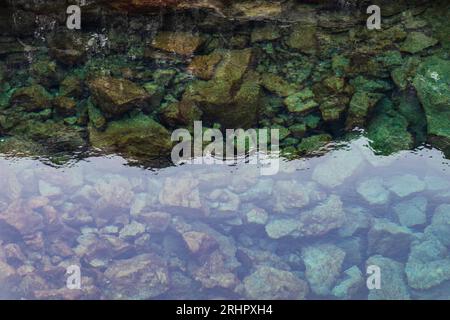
[221,232]
[86,118]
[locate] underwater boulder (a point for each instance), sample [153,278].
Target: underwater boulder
[327,216]
[432,83]
[393,279]
[268,283]
[389,239]
[428,264]
[323,264]
[350,285]
[117,96]
[141,277]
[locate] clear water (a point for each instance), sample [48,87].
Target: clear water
[104,194]
[314,230]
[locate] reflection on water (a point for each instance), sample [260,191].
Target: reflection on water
[210,232]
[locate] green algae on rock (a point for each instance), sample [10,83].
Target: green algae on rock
[137,137]
[432,83]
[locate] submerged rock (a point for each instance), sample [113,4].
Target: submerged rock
[428,264]
[412,212]
[389,239]
[323,267]
[440,224]
[336,169]
[405,185]
[327,216]
[268,283]
[279,228]
[373,191]
[141,277]
[350,285]
[393,280]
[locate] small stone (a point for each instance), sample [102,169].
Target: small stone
[48,190]
[301,102]
[268,283]
[199,242]
[327,216]
[393,282]
[352,283]
[412,212]
[141,277]
[266,33]
[337,168]
[155,221]
[389,239]
[405,185]
[323,265]
[132,230]
[435,183]
[416,42]
[373,191]
[257,216]
[279,228]
[182,43]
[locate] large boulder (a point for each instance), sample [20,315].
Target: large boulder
[432,83]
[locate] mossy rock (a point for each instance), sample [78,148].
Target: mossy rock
[432,83]
[388,133]
[139,137]
[32,98]
[314,143]
[361,105]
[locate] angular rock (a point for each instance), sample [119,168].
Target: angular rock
[268,283]
[373,191]
[336,169]
[327,216]
[138,278]
[416,42]
[323,266]
[405,185]
[389,239]
[412,212]
[182,43]
[139,137]
[350,285]
[117,96]
[33,98]
[393,280]
[432,83]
